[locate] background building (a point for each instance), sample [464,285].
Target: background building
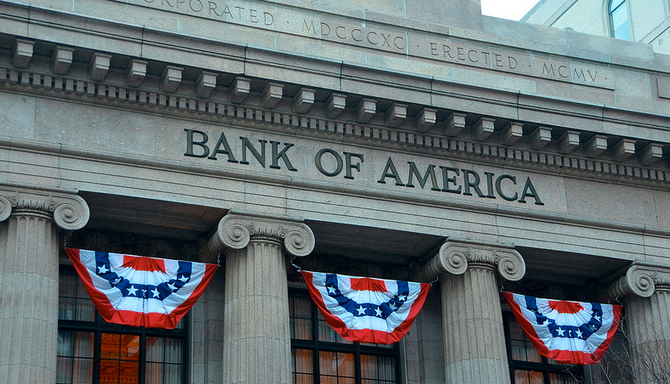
[395,139]
[645,21]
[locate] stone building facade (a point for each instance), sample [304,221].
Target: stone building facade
[644,21]
[399,139]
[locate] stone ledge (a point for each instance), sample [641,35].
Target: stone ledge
[322,128]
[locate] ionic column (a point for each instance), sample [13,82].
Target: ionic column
[29,279]
[256,334]
[474,339]
[646,299]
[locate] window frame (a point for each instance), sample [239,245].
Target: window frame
[357,349]
[610,18]
[99,326]
[545,367]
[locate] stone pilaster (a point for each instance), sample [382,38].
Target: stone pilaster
[474,339]
[645,291]
[29,279]
[256,334]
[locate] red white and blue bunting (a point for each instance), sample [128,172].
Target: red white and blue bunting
[141,291]
[569,332]
[366,310]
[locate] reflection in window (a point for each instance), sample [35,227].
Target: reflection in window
[618,14]
[528,366]
[91,350]
[320,355]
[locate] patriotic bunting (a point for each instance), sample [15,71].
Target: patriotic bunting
[141,291]
[569,332]
[366,310]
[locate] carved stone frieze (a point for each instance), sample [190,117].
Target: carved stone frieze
[200,105]
[236,230]
[68,210]
[641,280]
[456,256]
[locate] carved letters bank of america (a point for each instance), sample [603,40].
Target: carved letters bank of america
[400,139]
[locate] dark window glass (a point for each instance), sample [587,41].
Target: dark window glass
[321,356]
[90,350]
[527,366]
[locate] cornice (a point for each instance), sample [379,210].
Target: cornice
[323,128]
[432,131]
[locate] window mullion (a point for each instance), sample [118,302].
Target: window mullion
[142,361]
[97,343]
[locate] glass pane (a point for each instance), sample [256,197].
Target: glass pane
[369,367]
[328,363]
[154,373]
[300,378]
[562,378]
[334,364]
[85,310]
[75,344]
[73,300]
[173,351]
[75,357]
[65,343]
[155,349]
[110,346]
[303,361]
[620,23]
[379,368]
[615,3]
[63,370]
[67,308]
[130,347]
[522,349]
[302,329]
[67,285]
[109,372]
[173,373]
[300,308]
[528,377]
[327,334]
[83,371]
[84,344]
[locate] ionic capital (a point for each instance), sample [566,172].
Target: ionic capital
[236,230]
[69,211]
[455,256]
[641,280]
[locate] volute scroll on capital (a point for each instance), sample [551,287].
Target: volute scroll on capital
[455,257]
[641,280]
[68,210]
[237,230]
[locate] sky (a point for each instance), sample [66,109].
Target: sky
[507,9]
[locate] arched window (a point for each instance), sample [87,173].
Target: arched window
[618,15]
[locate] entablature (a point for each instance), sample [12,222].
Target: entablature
[167,88]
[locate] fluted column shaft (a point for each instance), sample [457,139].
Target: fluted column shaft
[29,276]
[256,334]
[28,299]
[648,327]
[646,292]
[257,341]
[475,350]
[474,339]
